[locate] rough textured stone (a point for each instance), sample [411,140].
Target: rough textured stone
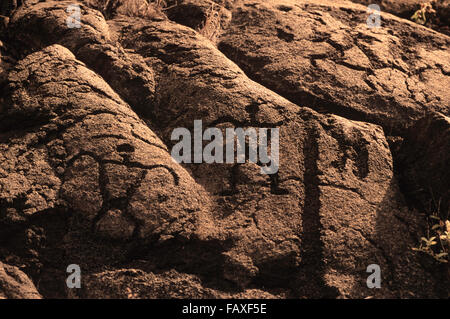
[406,8]
[85,130]
[323,55]
[86,176]
[44,24]
[210,17]
[14,284]
[285,226]
[137,284]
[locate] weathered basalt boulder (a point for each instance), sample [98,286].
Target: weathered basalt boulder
[14,284]
[325,56]
[137,284]
[43,24]
[74,146]
[210,17]
[299,221]
[86,175]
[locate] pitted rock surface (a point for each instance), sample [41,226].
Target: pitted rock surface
[136,284]
[86,175]
[14,284]
[318,54]
[335,155]
[44,24]
[91,152]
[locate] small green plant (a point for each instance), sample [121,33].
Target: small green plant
[426,11]
[438,242]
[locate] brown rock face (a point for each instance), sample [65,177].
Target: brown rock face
[87,177]
[198,13]
[294,213]
[46,23]
[137,284]
[90,155]
[14,284]
[320,54]
[97,156]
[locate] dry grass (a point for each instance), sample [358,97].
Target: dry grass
[212,26]
[132,8]
[210,29]
[142,8]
